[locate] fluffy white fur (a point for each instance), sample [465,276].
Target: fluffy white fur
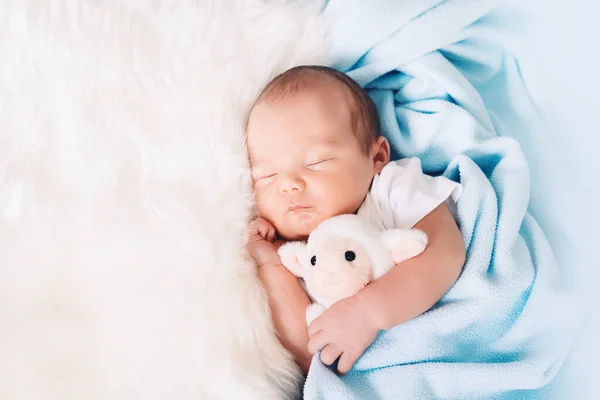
[124,196]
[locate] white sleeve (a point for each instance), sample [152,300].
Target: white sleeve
[401,195]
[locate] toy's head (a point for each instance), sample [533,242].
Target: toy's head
[345,253]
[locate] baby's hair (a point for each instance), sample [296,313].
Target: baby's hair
[364,114]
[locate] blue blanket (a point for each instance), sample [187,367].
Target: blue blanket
[451,97]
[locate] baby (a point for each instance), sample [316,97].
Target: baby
[315,152]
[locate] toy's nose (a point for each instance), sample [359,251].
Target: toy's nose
[329,275]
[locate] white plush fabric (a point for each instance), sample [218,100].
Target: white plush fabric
[124,196]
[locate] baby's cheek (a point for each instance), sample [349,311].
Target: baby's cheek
[264,203]
[342,200]
[323,192]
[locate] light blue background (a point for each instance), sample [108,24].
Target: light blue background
[558,49]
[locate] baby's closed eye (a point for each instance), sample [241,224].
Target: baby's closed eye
[262,177]
[319,163]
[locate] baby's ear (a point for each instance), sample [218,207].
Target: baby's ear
[292,254]
[404,243]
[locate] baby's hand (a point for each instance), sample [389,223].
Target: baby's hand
[262,244]
[345,329]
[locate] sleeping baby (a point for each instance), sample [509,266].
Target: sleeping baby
[315,152]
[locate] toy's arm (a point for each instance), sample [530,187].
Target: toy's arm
[415,285]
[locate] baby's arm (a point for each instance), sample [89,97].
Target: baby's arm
[409,289]
[288,302]
[287,299]
[414,286]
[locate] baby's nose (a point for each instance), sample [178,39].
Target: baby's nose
[290,183]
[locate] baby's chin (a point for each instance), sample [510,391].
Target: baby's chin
[297,231]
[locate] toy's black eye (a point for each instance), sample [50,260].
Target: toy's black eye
[313,260]
[350,255]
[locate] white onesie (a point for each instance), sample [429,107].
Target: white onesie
[401,195]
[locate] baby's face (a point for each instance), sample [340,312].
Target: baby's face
[307,164]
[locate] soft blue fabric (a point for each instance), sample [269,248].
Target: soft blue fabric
[451,96]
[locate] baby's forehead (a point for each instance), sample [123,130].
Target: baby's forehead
[304,104]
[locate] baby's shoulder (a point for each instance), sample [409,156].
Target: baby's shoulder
[401,169]
[403,164]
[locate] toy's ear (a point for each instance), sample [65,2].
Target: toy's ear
[404,243]
[292,254]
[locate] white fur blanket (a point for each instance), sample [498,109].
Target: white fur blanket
[124,195]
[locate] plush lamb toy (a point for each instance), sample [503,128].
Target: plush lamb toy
[343,254]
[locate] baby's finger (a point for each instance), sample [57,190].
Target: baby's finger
[258,227]
[330,354]
[346,362]
[266,230]
[270,235]
[316,325]
[317,342]
[252,228]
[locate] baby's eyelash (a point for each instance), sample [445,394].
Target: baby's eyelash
[313,163]
[265,176]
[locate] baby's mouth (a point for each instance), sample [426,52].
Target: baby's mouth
[298,208]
